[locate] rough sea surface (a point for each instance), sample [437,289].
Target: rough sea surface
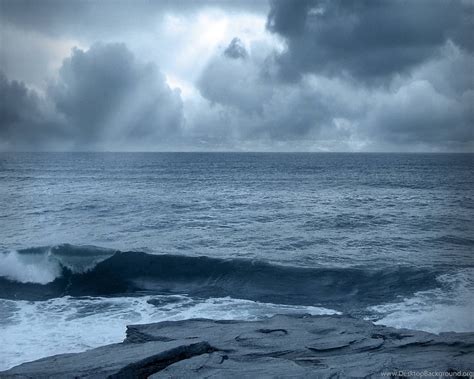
[91,242]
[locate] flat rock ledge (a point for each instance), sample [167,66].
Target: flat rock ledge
[295,346]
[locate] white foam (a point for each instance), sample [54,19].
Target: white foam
[46,265]
[32,330]
[235,309]
[445,309]
[34,268]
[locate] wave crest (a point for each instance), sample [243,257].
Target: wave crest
[88,271]
[43,265]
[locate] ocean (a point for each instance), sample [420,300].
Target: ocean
[92,242]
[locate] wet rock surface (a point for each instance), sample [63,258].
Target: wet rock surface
[298,346]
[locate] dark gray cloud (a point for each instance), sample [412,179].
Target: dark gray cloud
[236,49]
[25,118]
[105,17]
[431,107]
[434,106]
[106,95]
[260,106]
[368,40]
[103,98]
[417,113]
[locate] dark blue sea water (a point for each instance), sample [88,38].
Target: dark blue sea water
[90,242]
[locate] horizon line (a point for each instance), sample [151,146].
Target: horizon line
[228,152]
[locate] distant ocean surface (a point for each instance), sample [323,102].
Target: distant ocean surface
[91,242]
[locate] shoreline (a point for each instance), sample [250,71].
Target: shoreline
[296,346]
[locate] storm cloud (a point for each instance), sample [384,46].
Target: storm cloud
[25,118]
[102,97]
[309,75]
[101,18]
[106,95]
[430,107]
[357,75]
[367,39]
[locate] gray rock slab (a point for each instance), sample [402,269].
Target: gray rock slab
[283,346]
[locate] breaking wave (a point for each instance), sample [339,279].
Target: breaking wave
[43,265]
[448,307]
[67,270]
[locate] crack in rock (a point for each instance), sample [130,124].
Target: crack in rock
[151,365]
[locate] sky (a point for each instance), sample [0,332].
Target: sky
[237,75]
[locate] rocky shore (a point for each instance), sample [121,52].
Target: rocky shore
[299,346]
